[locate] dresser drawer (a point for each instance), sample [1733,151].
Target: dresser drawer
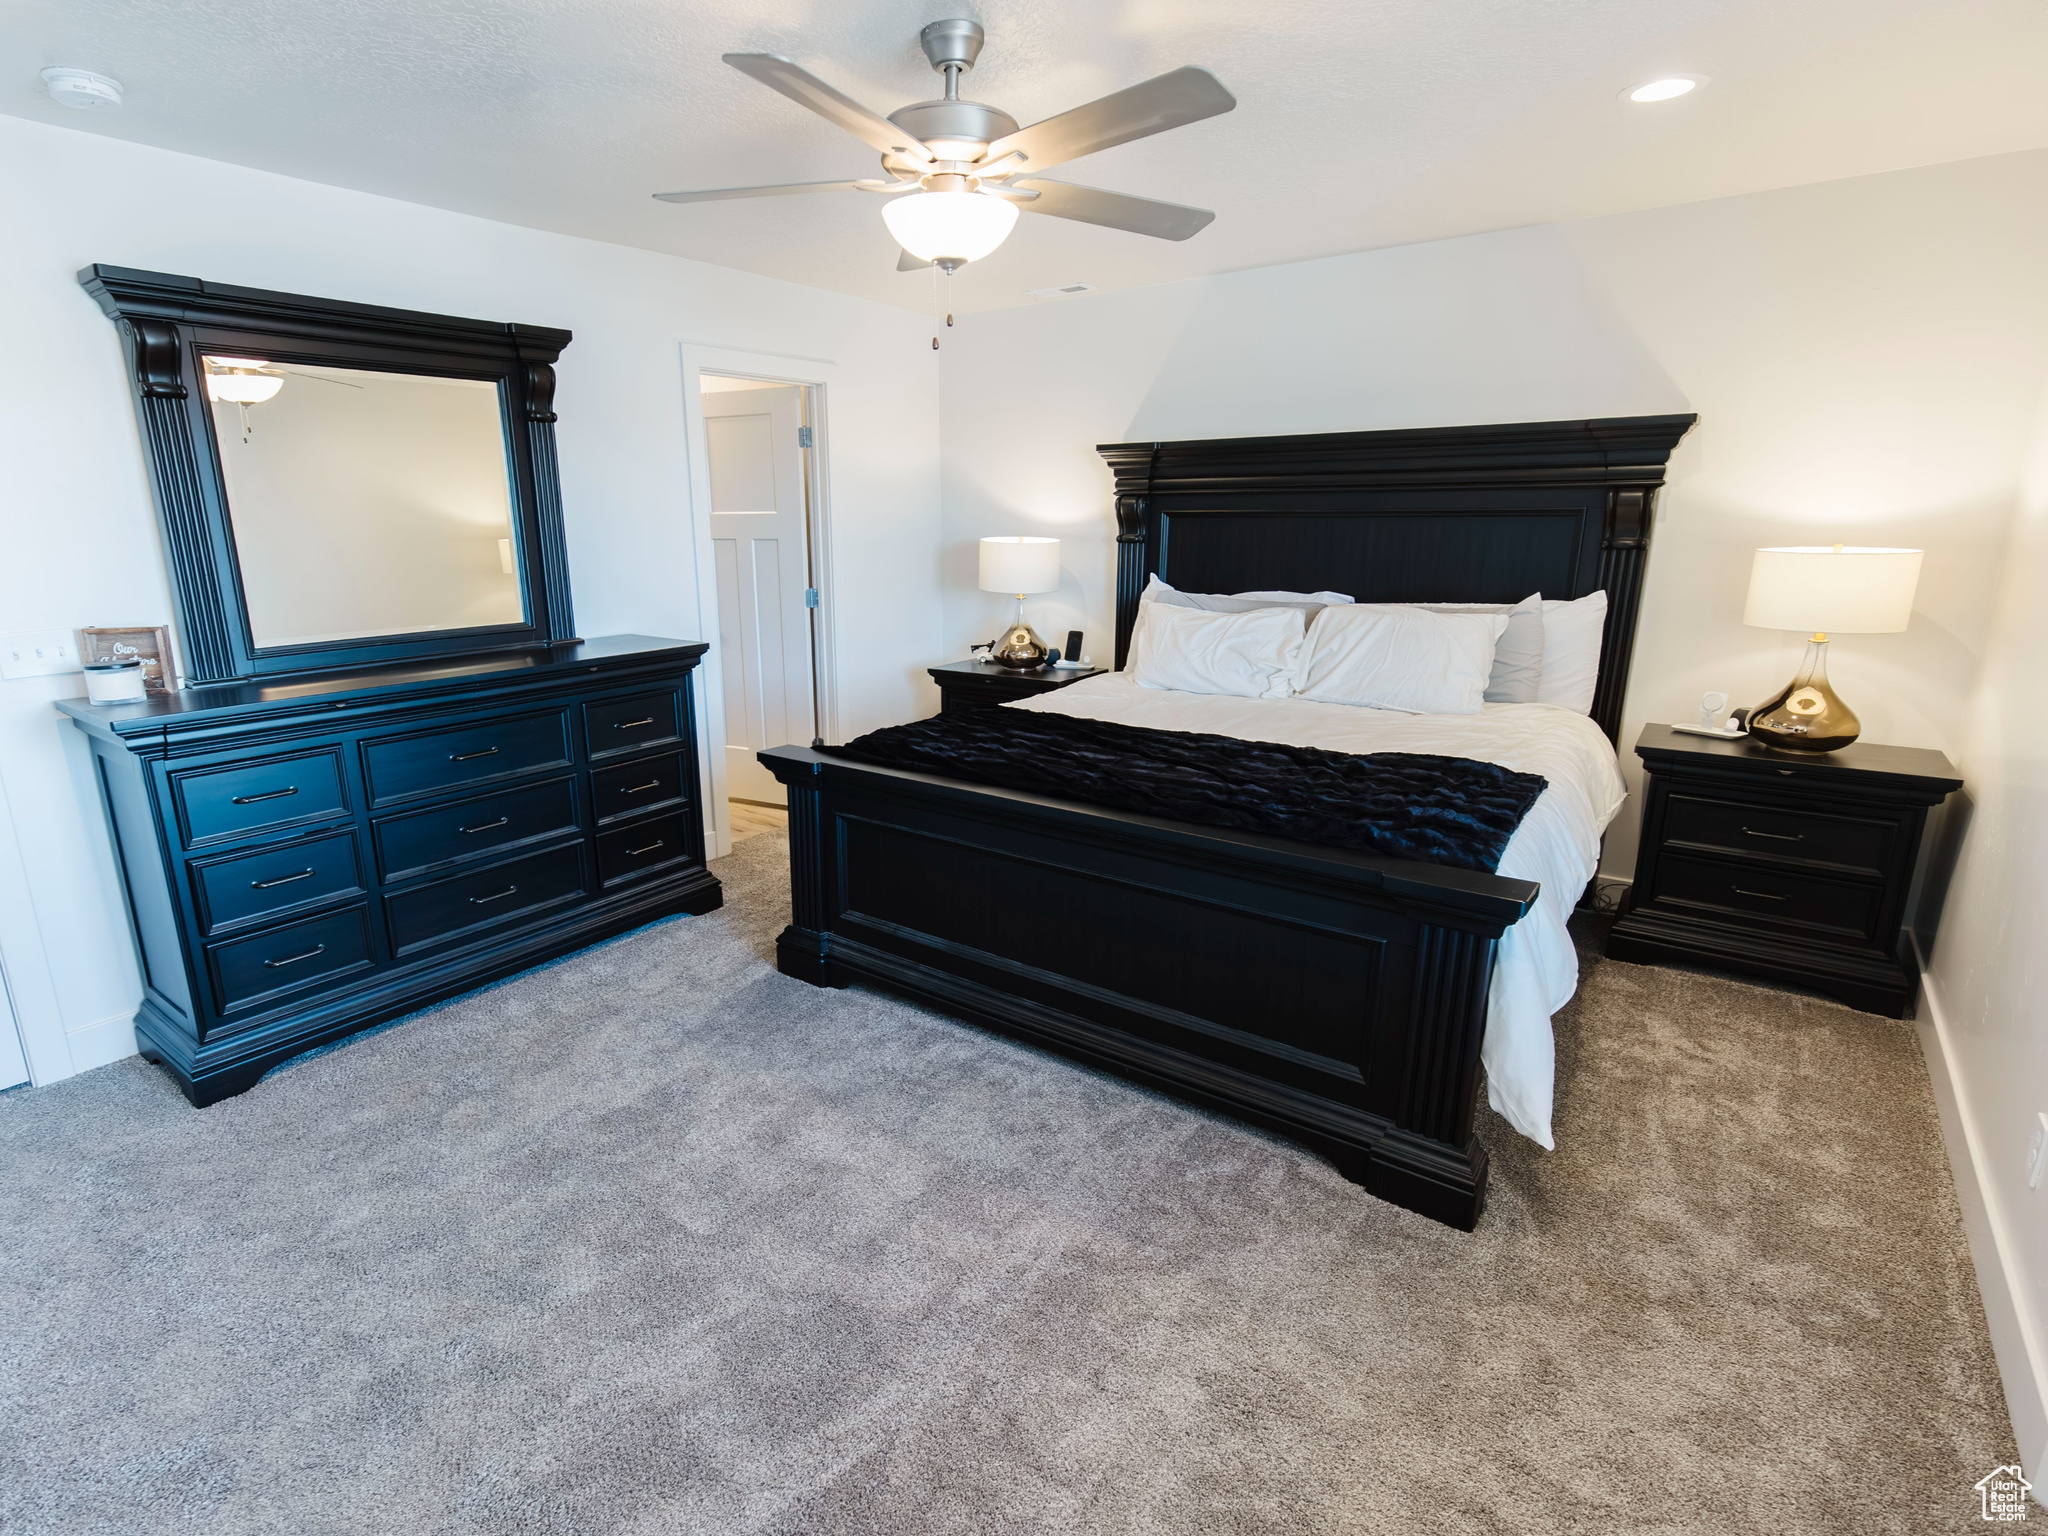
[485,898]
[256,887]
[1852,846]
[655,843]
[640,785]
[215,804]
[411,844]
[407,767]
[317,952]
[612,726]
[1775,899]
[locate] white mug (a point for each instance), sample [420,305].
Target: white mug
[1713,711]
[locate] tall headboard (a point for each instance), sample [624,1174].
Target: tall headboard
[1438,514]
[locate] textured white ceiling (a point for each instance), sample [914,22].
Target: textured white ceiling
[1360,123]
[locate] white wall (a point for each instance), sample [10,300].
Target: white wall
[1864,357]
[78,542]
[1988,974]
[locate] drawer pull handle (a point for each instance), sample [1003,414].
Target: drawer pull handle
[275,794]
[627,725]
[634,853]
[1759,895]
[463,757]
[477,901]
[264,885]
[317,949]
[1776,837]
[638,788]
[483,826]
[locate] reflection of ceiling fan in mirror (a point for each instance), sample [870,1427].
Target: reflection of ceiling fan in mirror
[958,171]
[247,381]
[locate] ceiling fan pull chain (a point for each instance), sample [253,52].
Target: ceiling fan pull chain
[935,309]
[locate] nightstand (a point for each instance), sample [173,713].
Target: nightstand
[1782,866]
[978,684]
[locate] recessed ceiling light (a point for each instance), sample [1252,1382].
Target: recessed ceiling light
[1665,88]
[83,89]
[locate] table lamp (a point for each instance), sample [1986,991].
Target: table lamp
[1824,590]
[1018,565]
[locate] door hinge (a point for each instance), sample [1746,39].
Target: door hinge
[810,597]
[803,437]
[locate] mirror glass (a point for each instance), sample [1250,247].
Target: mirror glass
[364,503]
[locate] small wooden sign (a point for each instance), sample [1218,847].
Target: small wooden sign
[152,646]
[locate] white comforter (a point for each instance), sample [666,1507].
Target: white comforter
[1557,844]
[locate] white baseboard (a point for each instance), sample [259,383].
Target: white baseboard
[105,1040]
[2022,1361]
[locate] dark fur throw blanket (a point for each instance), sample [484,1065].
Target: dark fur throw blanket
[1411,805]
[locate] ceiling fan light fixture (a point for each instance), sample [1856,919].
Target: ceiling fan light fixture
[236,380]
[1665,88]
[949,226]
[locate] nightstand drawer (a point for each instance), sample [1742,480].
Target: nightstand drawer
[1837,909]
[1851,846]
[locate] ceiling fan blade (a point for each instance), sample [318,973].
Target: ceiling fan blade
[905,262]
[722,194]
[1116,210]
[807,90]
[1009,194]
[1170,101]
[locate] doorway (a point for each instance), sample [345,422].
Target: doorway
[759,449]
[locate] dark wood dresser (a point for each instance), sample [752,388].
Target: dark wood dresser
[1788,867]
[978,684]
[305,859]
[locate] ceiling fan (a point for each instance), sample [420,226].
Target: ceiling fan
[958,171]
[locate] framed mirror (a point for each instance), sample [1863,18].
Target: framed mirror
[340,485]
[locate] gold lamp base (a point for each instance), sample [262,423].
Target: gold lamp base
[1806,715]
[1019,645]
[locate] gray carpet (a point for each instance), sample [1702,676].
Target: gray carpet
[656,1240]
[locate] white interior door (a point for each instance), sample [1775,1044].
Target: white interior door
[760,539]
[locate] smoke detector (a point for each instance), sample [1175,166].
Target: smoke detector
[82,89]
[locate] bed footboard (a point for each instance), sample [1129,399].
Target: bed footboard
[1337,998]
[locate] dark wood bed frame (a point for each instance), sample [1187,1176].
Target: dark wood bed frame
[1338,998]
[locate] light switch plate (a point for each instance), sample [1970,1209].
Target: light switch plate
[2037,1152]
[40,653]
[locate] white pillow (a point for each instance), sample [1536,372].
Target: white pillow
[1517,675]
[1325,598]
[1310,603]
[1248,655]
[1572,634]
[1157,591]
[1387,656]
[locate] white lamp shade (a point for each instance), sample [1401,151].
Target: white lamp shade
[949,226]
[1833,589]
[1018,564]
